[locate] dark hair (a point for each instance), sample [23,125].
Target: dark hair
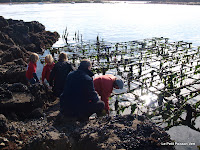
[63,57]
[85,63]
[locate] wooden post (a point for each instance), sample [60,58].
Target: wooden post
[140,69]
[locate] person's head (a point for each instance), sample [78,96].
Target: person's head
[49,59]
[86,64]
[118,83]
[33,57]
[63,57]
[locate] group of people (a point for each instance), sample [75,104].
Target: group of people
[78,91]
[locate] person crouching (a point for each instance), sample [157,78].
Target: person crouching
[79,99]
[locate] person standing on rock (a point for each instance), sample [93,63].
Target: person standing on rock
[104,86]
[79,99]
[31,68]
[59,74]
[47,68]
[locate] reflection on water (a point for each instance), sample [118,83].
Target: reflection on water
[150,99]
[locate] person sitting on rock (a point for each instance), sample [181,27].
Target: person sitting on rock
[31,68]
[47,68]
[104,86]
[59,73]
[79,99]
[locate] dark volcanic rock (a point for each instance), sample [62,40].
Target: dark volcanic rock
[3,22]
[54,141]
[18,87]
[12,54]
[3,123]
[120,132]
[5,94]
[17,38]
[130,132]
[36,113]
[5,40]
[20,102]
[28,34]
[13,73]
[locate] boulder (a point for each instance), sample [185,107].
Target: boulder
[24,101]
[5,94]
[17,40]
[36,113]
[3,22]
[13,73]
[54,141]
[27,34]
[18,87]
[3,124]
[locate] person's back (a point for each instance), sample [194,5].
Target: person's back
[77,89]
[104,83]
[58,75]
[104,86]
[79,97]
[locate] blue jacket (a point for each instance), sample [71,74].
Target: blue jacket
[78,91]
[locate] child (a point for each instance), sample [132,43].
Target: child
[31,71]
[47,68]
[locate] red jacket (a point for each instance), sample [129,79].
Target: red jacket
[47,71]
[104,86]
[31,69]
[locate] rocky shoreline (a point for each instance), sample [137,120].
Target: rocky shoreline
[29,114]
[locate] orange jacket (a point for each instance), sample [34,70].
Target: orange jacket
[104,87]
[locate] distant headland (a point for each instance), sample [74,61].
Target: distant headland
[179,2]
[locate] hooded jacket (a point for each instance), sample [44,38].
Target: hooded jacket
[78,91]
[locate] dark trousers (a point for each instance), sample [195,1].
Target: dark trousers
[85,111]
[31,81]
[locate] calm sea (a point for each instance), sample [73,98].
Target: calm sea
[114,22]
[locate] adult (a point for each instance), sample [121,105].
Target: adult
[104,86]
[79,98]
[59,74]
